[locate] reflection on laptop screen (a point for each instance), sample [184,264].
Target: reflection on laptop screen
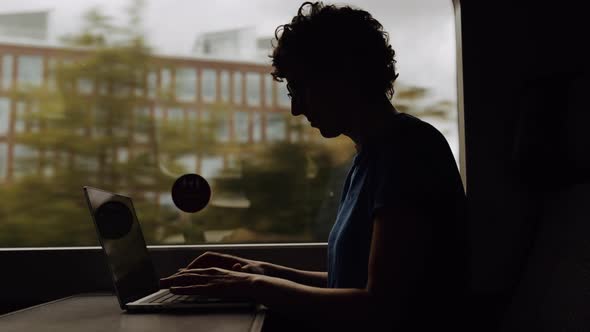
[123,243]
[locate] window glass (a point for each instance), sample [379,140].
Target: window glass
[268,84]
[209,86]
[237,88]
[30,70]
[20,124]
[276,127]
[7,71]
[122,113]
[4,115]
[224,76]
[241,126]
[253,89]
[186,84]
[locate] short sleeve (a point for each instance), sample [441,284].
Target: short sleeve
[410,172]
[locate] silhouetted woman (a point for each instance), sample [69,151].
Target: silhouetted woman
[397,253]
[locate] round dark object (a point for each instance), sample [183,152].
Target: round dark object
[114,220]
[191,192]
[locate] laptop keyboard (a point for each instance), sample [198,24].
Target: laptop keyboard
[168,297]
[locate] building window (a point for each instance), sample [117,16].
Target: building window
[209,88]
[26,161]
[165,81]
[237,88]
[7,60]
[268,84]
[224,77]
[276,127]
[30,70]
[186,84]
[256,127]
[21,117]
[152,84]
[4,116]
[241,126]
[253,89]
[3,160]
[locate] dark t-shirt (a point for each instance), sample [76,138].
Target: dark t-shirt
[410,163]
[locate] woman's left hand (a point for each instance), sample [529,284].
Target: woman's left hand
[214,282]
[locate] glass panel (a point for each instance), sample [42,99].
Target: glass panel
[276,127]
[268,84]
[7,71]
[141,145]
[26,161]
[3,161]
[253,89]
[4,115]
[241,126]
[256,126]
[165,80]
[30,70]
[21,115]
[224,76]
[152,83]
[237,88]
[186,84]
[209,85]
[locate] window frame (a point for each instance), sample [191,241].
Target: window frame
[50,273]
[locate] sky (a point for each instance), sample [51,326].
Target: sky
[422,32]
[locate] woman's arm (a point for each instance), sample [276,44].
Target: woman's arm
[310,278]
[230,262]
[399,243]
[399,246]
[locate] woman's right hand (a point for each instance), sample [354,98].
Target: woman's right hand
[227,262]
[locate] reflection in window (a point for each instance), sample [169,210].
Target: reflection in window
[276,127]
[3,160]
[253,89]
[209,85]
[30,70]
[237,87]
[211,166]
[224,77]
[4,115]
[268,84]
[7,71]
[21,115]
[256,126]
[152,82]
[283,98]
[241,126]
[186,84]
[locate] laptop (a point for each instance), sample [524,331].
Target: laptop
[134,277]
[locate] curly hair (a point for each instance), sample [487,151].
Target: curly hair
[338,42]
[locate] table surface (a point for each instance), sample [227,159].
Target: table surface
[101,312]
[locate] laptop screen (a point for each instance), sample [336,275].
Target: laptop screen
[122,240]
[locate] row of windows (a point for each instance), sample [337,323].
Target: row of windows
[30,73]
[243,126]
